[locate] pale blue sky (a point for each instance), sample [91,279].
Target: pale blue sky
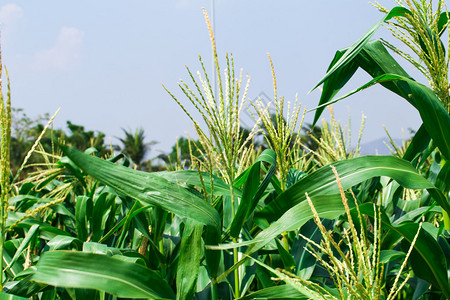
[103,62]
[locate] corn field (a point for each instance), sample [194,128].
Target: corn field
[243,221]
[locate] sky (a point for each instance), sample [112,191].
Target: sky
[104,62]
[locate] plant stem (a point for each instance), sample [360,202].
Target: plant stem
[214,295]
[236,271]
[235,250]
[5,116]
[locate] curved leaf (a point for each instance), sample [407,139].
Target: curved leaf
[327,206]
[276,292]
[61,242]
[191,252]
[418,143]
[376,61]
[253,190]
[351,172]
[351,53]
[5,296]
[192,177]
[147,188]
[101,272]
[336,81]
[434,115]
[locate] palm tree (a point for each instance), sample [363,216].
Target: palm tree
[135,147]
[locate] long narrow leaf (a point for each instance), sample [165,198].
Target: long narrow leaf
[26,241]
[327,206]
[5,296]
[434,115]
[351,172]
[192,177]
[335,82]
[101,272]
[350,54]
[276,292]
[250,189]
[376,61]
[191,250]
[253,190]
[146,188]
[418,143]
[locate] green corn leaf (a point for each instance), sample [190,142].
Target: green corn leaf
[276,292]
[322,188]
[310,293]
[353,51]
[327,206]
[71,167]
[351,172]
[286,257]
[417,213]
[83,203]
[91,247]
[247,200]
[24,244]
[25,287]
[147,188]
[418,144]
[372,58]
[191,252]
[101,272]
[269,156]
[336,81]
[5,296]
[131,214]
[306,262]
[376,61]
[435,118]
[100,208]
[62,242]
[442,23]
[84,294]
[253,190]
[390,255]
[443,178]
[294,176]
[192,177]
[443,183]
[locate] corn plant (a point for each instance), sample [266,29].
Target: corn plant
[417,25]
[279,130]
[5,120]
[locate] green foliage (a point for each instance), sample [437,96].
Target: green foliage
[84,226]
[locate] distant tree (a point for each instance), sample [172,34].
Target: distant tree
[81,139]
[135,147]
[25,131]
[180,156]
